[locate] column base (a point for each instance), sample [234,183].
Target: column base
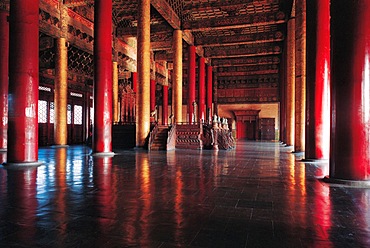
[314,160]
[103,154]
[348,183]
[22,165]
[59,146]
[297,152]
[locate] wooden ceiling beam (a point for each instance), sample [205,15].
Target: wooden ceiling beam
[235,4]
[76,3]
[249,61]
[235,22]
[132,31]
[247,73]
[161,45]
[211,41]
[165,10]
[229,78]
[242,52]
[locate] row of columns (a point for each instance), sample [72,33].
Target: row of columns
[21,109]
[336,88]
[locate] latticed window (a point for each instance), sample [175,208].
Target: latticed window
[77,115]
[51,120]
[69,114]
[43,111]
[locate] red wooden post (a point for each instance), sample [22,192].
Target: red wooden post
[103,77]
[191,83]
[24,81]
[209,93]
[134,81]
[4,68]
[152,100]
[350,80]
[318,80]
[202,86]
[165,105]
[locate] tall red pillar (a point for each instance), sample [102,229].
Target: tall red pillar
[350,81]
[191,83]
[23,82]
[202,89]
[318,80]
[209,93]
[165,105]
[4,69]
[283,91]
[134,81]
[103,77]
[152,98]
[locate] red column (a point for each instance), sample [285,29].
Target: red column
[350,80]
[191,83]
[202,88]
[152,97]
[165,105]
[24,81]
[134,81]
[318,80]
[4,68]
[209,93]
[283,84]
[103,77]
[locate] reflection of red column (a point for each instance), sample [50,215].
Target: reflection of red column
[202,86]
[103,182]
[350,73]
[24,78]
[103,77]
[165,105]
[152,97]
[4,50]
[23,201]
[134,81]
[191,82]
[318,80]
[209,92]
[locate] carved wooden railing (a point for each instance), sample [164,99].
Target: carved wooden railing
[171,140]
[189,136]
[152,135]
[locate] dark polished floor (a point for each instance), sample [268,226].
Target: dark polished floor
[258,195]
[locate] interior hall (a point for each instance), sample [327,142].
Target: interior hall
[184,123]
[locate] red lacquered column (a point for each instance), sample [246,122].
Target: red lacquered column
[202,88]
[152,98]
[23,81]
[209,93]
[103,77]
[191,83]
[165,105]
[134,81]
[283,91]
[350,80]
[4,68]
[318,80]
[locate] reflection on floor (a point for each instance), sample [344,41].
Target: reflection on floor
[258,195]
